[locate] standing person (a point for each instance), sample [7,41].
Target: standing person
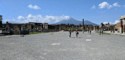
[101,31]
[101,28]
[70,32]
[77,33]
[90,31]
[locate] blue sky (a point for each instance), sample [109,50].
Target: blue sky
[52,11]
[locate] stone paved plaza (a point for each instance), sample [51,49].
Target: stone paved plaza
[58,46]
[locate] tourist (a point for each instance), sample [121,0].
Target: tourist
[77,33]
[70,32]
[101,31]
[90,31]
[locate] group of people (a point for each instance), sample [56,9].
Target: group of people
[77,33]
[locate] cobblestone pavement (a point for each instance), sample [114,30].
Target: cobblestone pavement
[58,46]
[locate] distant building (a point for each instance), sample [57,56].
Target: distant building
[45,26]
[33,26]
[118,27]
[16,28]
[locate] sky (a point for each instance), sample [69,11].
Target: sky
[52,11]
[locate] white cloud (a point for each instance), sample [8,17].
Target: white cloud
[104,5]
[38,18]
[108,6]
[20,17]
[35,7]
[107,22]
[116,5]
[117,21]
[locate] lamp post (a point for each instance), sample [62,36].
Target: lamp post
[83,25]
[0,21]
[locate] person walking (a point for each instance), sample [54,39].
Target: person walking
[77,33]
[101,31]
[70,32]
[90,31]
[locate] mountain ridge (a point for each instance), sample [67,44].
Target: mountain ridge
[76,22]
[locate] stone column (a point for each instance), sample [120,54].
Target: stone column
[121,21]
[124,25]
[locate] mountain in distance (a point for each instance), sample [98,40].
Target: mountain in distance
[86,22]
[75,22]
